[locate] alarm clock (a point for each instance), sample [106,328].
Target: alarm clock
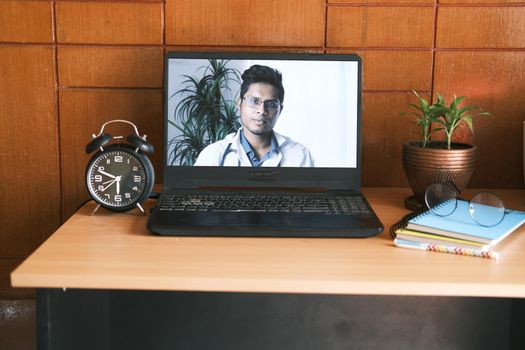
[119,176]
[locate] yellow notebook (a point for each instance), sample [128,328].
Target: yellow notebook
[423,237]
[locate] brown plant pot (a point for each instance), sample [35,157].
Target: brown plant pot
[433,164]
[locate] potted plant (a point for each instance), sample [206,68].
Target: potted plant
[205,109]
[430,161]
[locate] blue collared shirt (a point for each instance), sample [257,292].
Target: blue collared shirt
[252,156]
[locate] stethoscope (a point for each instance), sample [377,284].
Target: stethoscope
[227,151]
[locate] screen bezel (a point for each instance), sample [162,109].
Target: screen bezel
[266,177]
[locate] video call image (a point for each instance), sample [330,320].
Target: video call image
[262,113]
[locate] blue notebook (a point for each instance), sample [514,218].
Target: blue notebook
[460,225]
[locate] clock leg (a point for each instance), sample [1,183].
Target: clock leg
[95,210]
[141,209]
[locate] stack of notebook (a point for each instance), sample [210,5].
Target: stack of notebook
[456,233]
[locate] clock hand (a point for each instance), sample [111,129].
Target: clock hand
[111,183]
[107,174]
[118,184]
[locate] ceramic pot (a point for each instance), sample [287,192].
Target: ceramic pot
[433,164]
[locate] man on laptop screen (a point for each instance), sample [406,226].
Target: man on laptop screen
[220,99]
[256,143]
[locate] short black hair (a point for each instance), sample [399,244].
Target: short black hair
[263,74]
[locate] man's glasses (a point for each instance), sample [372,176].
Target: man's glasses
[485,208]
[254,102]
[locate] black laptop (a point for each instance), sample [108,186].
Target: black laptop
[262,144]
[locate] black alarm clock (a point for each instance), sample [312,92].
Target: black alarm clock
[119,176]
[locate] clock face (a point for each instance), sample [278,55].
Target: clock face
[118,178]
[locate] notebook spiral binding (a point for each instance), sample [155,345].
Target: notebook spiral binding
[404,220]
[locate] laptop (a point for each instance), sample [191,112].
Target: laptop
[262,144]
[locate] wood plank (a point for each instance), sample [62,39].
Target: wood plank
[375,2]
[380,26]
[115,67]
[233,22]
[481,27]
[383,135]
[397,70]
[29,171]
[109,23]
[26,21]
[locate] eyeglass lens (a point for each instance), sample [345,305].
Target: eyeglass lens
[441,198]
[485,208]
[254,102]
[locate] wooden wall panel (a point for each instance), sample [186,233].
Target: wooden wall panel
[495,81]
[345,27]
[481,27]
[109,23]
[499,2]
[383,135]
[256,23]
[29,171]
[82,114]
[397,70]
[115,66]
[375,2]
[376,26]
[25,21]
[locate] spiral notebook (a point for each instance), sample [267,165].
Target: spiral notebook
[460,225]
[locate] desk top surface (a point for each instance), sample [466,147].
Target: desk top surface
[115,251]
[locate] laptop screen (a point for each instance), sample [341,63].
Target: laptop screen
[251,119]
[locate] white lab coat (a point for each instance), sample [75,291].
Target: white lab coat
[229,152]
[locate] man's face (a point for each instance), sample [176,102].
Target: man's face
[260,108]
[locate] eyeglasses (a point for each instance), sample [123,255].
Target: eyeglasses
[485,208]
[254,102]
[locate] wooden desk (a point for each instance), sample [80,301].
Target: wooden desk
[115,251]
[115,254]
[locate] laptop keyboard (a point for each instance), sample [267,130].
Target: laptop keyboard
[263,202]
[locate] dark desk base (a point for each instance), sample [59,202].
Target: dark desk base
[104,320]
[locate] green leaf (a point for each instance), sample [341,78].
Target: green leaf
[455,103]
[468,121]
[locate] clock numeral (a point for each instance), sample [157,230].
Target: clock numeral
[107,196]
[119,159]
[135,168]
[127,195]
[135,188]
[137,178]
[101,188]
[118,198]
[98,178]
[100,168]
[108,161]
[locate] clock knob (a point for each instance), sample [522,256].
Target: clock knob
[98,142]
[140,143]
